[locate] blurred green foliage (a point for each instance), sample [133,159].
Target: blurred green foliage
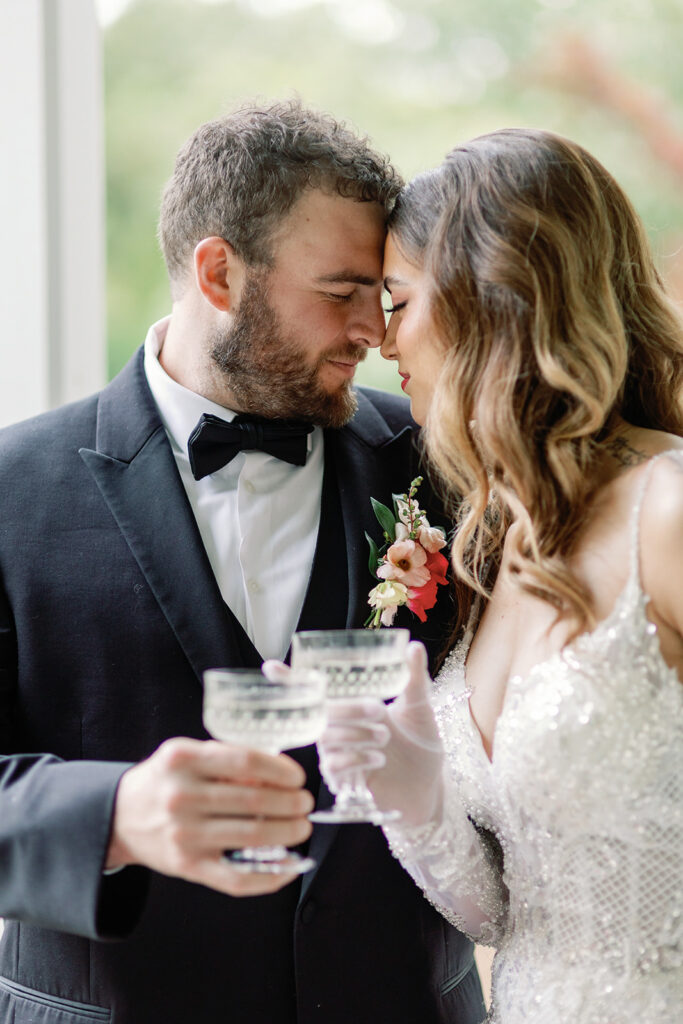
[416,75]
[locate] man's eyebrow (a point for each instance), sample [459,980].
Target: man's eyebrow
[347,277]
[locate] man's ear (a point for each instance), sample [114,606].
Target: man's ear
[219,272]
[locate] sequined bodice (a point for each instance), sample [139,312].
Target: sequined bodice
[584,795]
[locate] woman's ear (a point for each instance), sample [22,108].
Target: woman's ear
[219,273]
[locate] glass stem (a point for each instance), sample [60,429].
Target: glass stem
[264,853]
[354,790]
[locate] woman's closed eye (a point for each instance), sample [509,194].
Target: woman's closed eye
[395,308]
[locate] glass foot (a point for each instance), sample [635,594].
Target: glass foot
[268,861]
[351,814]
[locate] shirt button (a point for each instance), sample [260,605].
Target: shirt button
[249,487]
[253,587]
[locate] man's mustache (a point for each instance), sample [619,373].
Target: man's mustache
[347,353]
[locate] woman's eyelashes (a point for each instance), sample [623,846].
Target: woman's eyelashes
[395,307]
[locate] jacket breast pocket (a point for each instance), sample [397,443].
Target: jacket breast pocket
[22,1005]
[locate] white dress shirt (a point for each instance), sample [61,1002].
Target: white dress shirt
[258,516]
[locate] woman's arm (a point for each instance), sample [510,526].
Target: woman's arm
[399,748]
[661,555]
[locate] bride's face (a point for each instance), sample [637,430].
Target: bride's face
[410,338]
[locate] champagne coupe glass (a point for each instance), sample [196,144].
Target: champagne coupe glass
[241,706]
[356,663]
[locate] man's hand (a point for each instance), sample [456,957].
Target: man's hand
[178,810]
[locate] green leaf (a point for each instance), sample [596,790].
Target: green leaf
[385,517]
[374,554]
[396,498]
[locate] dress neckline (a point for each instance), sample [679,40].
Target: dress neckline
[631,591]
[563,654]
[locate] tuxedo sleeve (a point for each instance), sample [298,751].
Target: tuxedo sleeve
[55,821]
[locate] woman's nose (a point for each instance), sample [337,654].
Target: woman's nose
[388,347]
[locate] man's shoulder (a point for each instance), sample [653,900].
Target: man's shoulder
[73,424]
[47,438]
[50,424]
[54,420]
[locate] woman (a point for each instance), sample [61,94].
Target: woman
[538,348]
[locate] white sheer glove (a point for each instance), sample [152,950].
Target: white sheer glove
[399,748]
[396,746]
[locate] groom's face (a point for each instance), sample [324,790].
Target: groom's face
[302,327]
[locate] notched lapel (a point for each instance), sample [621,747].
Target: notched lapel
[372,462]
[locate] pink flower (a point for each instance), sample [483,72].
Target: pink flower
[405,561]
[431,537]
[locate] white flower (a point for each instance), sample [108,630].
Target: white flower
[388,596]
[404,512]
[401,532]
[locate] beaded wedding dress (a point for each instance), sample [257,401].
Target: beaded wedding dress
[581,890]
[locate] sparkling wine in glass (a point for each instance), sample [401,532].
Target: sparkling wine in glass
[356,663]
[241,706]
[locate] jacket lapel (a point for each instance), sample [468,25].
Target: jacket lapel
[371,461]
[327,595]
[134,468]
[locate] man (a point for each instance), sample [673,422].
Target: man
[132,559]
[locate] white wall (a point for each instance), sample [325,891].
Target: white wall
[52,221]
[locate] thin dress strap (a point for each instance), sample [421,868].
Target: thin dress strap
[472,620]
[634,547]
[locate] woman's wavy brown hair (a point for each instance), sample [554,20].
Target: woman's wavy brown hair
[554,323]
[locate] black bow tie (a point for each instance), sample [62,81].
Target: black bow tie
[214,442]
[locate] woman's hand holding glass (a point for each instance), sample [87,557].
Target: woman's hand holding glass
[356,663]
[396,746]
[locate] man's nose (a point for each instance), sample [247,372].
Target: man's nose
[370,325]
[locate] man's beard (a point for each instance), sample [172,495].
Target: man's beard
[266,368]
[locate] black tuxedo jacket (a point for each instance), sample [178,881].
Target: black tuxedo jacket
[109,613]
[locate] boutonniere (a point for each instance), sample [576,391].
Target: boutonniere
[409,565]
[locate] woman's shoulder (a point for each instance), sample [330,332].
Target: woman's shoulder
[645,466]
[661,486]
[636,513]
[649,476]
[660,532]
[635,446]
[662,508]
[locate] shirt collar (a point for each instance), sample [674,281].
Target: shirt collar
[179,408]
